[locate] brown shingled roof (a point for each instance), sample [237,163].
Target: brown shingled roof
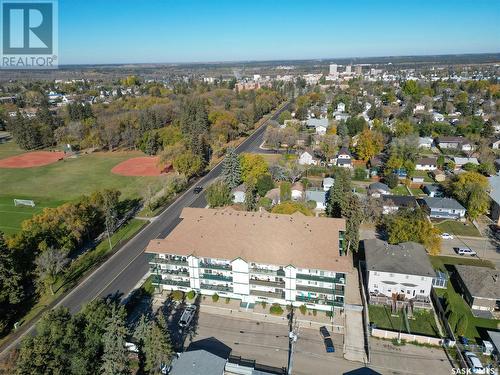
[298,240]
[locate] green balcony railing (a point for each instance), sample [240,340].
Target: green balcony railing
[214,266]
[261,293]
[319,301]
[157,279]
[210,276]
[278,284]
[221,288]
[315,289]
[324,279]
[174,261]
[263,271]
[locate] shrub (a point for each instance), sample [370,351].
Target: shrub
[303,309]
[276,309]
[265,202]
[191,294]
[315,312]
[329,314]
[228,300]
[177,295]
[264,304]
[215,297]
[392,180]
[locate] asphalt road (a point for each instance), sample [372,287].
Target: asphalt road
[121,273]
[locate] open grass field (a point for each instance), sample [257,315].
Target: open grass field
[422,323]
[458,228]
[400,190]
[63,181]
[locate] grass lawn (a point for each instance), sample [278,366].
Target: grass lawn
[423,174]
[417,192]
[9,149]
[11,216]
[458,228]
[422,323]
[439,262]
[63,181]
[400,190]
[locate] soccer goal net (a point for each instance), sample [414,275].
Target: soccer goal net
[24,202]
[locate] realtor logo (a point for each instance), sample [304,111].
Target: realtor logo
[29,34]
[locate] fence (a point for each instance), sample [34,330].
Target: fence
[366,318]
[381,333]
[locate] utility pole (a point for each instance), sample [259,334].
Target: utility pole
[292,339]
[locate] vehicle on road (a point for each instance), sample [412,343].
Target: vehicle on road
[324,332]
[197,189]
[474,363]
[329,345]
[446,236]
[464,251]
[187,316]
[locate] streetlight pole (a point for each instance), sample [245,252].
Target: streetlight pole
[292,339]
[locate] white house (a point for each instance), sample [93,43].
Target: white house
[317,196]
[341,107]
[425,142]
[297,191]
[344,158]
[426,164]
[437,117]
[306,158]
[419,108]
[403,271]
[495,145]
[239,193]
[328,183]
[319,124]
[340,116]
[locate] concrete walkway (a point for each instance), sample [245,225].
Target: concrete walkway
[354,342]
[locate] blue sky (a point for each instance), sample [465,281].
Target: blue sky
[155,31]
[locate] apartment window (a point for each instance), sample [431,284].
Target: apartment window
[407,276]
[322,273]
[375,286]
[422,278]
[422,291]
[388,290]
[391,275]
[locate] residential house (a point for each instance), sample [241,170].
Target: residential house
[495,198]
[437,117]
[317,196]
[495,145]
[454,143]
[239,193]
[433,191]
[425,142]
[460,162]
[294,259]
[328,183]
[426,164]
[341,107]
[438,175]
[195,362]
[398,274]
[344,158]
[274,195]
[480,287]
[376,165]
[378,189]
[297,191]
[340,116]
[392,203]
[306,158]
[443,208]
[320,125]
[419,108]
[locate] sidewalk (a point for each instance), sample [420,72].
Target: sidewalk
[258,313]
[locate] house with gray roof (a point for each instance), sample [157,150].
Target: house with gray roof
[320,125]
[443,208]
[495,198]
[198,362]
[401,272]
[480,287]
[378,189]
[318,196]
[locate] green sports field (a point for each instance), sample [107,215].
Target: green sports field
[63,181]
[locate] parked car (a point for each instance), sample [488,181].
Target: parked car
[329,345]
[446,236]
[324,332]
[187,316]
[197,189]
[474,363]
[464,251]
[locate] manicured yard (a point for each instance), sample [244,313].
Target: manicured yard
[423,174]
[458,228]
[417,192]
[400,190]
[422,323]
[439,262]
[9,149]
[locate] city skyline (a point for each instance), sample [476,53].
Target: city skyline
[195,32]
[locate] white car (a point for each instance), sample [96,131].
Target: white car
[187,316]
[474,363]
[446,236]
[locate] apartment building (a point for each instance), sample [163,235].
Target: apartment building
[254,257]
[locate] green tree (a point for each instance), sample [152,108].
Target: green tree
[285,115]
[49,265]
[157,346]
[370,143]
[471,189]
[391,180]
[188,164]
[231,171]
[250,198]
[290,207]
[253,166]
[115,357]
[285,191]
[264,184]
[339,194]
[218,194]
